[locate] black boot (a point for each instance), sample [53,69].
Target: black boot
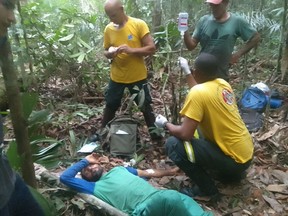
[108,115]
[150,120]
[198,175]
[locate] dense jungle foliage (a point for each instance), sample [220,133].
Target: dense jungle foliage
[62,72]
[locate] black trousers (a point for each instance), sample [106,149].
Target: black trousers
[207,156]
[143,99]
[21,202]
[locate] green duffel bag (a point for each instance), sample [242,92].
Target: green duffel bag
[123,136]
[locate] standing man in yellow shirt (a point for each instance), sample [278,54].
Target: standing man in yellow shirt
[226,146]
[126,41]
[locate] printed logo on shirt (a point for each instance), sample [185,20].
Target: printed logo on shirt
[227,96]
[130,37]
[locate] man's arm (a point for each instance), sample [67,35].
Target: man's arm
[68,178]
[185,131]
[148,47]
[190,80]
[189,41]
[246,48]
[149,173]
[186,69]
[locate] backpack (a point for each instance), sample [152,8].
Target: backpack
[253,98]
[123,136]
[251,106]
[252,119]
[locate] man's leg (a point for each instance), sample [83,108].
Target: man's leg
[205,155]
[146,107]
[113,97]
[4,211]
[22,202]
[169,203]
[192,206]
[194,170]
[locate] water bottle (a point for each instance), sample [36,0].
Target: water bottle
[182,22]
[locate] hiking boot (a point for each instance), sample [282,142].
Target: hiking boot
[102,136]
[108,115]
[94,137]
[232,179]
[196,193]
[155,135]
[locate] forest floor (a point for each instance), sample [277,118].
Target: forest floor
[264,192]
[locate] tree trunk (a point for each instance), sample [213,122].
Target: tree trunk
[282,37]
[25,38]
[284,60]
[156,15]
[262,5]
[20,57]
[18,121]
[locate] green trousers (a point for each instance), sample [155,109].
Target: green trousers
[170,203]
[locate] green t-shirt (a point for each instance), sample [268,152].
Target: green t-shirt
[219,38]
[135,196]
[115,188]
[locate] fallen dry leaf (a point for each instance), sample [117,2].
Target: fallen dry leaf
[164,180]
[278,188]
[274,204]
[281,176]
[269,133]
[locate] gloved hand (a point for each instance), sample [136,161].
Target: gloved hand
[160,121]
[184,65]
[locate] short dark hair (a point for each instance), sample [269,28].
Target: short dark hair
[8,4]
[207,64]
[96,175]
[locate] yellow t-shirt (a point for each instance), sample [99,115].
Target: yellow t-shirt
[127,68]
[213,105]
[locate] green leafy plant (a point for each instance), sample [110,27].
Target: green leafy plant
[44,203]
[138,158]
[63,42]
[45,151]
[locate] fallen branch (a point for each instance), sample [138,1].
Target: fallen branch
[101,205]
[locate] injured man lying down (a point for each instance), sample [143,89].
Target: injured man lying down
[126,189]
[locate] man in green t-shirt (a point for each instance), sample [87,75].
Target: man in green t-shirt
[123,188]
[217,34]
